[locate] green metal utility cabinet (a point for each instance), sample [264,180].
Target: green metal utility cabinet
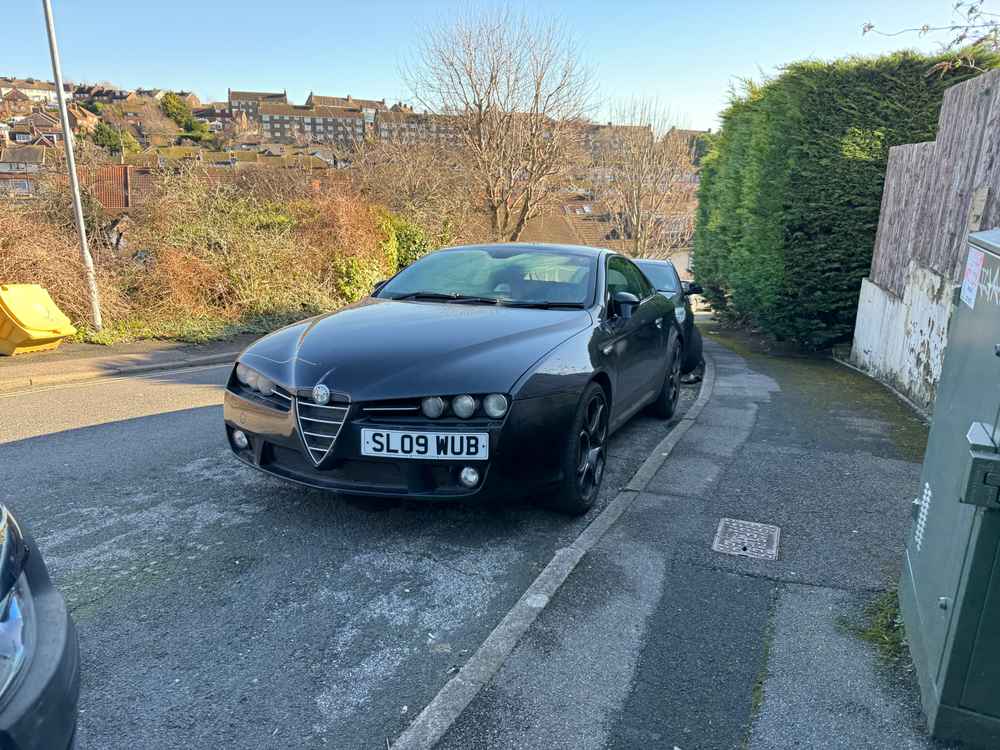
[950,590]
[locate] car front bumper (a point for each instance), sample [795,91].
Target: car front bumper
[525,451]
[40,708]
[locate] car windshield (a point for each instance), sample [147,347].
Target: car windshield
[498,275]
[660,276]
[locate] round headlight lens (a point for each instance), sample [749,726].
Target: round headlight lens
[463,406]
[495,405]
[264,385]
[242,373]
[432,407]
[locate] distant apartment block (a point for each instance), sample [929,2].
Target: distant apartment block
[403,125]
[288,123]
[249,102]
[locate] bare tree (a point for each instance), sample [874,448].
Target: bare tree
[970,26]
[425,182]
[513,90]
[643,174]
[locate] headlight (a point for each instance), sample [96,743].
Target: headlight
[264,385]
[254,380]
[432,407]
[16,615]
[463,406]
[15,619]
[495,405]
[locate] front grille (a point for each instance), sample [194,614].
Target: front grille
[378,409]
[320,426]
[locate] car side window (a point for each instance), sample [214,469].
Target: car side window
[617,278]
[677,279]
[625,276]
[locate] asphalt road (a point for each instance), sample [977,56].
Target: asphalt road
[220,608]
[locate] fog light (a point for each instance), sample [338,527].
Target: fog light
[463,406]
[241,440]
[469,477]
[432,407]
[495,405]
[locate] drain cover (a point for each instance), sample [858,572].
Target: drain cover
[747,538]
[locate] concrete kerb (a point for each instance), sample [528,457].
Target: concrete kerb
[440,714]
[24,383]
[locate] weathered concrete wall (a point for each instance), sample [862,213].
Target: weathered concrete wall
[901,340]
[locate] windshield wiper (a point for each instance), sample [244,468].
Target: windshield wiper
[454,297]
[545,305]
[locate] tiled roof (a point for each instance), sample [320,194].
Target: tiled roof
[16,95]
[30,83]
[118,186]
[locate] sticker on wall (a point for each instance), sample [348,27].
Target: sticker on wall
[973,270]
[921,527]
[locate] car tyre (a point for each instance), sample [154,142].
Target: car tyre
[665,405]
[692,352]
[584,454]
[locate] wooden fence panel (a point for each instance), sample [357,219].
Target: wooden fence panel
[929,187]
[897,240]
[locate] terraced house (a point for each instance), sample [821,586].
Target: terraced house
[37,91]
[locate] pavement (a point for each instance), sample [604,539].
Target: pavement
[77,362]
[657,641]
[221,608]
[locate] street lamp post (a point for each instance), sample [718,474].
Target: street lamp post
[74,183]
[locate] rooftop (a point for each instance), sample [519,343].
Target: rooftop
[259,96]
[346,102]
[26,154]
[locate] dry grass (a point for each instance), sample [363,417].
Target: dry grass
[206,255]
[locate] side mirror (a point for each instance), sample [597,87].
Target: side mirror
[691,287]
[625,303]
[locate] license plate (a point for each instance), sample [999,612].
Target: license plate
[434,445]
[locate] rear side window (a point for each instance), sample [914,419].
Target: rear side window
[663,276]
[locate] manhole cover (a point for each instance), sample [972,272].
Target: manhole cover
[747,538]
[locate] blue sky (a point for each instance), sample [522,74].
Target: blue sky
[685,54]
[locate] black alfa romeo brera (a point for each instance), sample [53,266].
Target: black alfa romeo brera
[477,370]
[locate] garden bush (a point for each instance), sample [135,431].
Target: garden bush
[209,255]
[792,184]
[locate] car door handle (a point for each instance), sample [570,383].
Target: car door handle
[659,322]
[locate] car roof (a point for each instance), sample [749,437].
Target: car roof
[578,250]
[652,262]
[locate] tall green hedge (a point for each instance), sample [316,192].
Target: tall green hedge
[792,184]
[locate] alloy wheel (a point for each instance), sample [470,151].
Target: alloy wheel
[674,379]
[590,446]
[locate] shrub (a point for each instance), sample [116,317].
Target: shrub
[411,241]
[792,184]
